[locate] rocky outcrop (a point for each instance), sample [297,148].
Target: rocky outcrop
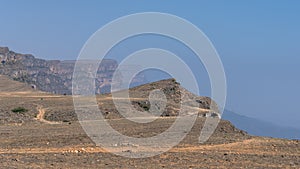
[53,76]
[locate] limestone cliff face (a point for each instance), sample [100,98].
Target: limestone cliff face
[53,76]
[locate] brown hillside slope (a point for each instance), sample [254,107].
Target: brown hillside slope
[8,85]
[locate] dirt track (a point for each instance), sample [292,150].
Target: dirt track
[41,114]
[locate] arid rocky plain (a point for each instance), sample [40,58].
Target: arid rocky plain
[41,130]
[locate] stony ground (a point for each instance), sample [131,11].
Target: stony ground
[41,145]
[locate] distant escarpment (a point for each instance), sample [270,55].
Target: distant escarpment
[54,76]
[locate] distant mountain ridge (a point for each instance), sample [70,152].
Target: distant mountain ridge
[53,76]
[259,127]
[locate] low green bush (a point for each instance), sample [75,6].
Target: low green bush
[19,110]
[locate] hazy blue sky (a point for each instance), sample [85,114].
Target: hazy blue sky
[258,42]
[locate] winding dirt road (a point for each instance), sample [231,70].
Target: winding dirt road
[41,116]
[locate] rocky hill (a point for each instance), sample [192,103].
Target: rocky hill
[53,76]
[139,99]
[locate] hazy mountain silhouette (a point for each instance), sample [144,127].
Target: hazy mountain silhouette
[259,127]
